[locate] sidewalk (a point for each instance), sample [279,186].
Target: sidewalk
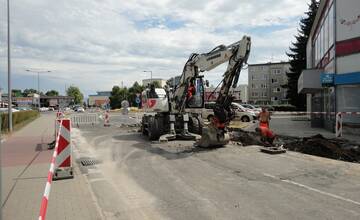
[25,161]
[288,127]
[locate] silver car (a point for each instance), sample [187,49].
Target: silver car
[241,113]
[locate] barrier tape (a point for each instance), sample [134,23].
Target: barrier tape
[45,199]
[315,113]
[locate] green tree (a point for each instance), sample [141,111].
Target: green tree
[117,96]
[156,84]
[52,93]
[298,57]
[16,92]
[26,92]
[74,91]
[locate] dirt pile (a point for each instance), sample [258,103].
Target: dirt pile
[339,149]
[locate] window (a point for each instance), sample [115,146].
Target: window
[263,86]
[331,26]
[276,71]
[274,98]
[277,89]
[274,80]
[264,94]
[326,34]
[321,43]
[255,94]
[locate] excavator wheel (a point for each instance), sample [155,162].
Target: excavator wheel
[154,129]
[195,125]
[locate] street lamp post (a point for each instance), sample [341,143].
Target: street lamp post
[9,69]
[149,71]
[38,80]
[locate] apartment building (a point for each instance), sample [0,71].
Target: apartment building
[265,83]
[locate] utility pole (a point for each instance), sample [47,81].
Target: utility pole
[38,81]
[149,71]
[9,69]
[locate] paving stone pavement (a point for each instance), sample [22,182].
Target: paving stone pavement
[25,162]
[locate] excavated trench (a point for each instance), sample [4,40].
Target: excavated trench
[339,149]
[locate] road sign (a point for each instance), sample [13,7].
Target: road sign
[137,100]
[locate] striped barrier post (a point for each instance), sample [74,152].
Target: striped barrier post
[107,119]
[62,142]
[63,160]
[338,125]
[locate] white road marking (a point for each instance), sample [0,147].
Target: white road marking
[313,189]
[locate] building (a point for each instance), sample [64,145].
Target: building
[239,93]
[332,78]
[265,82]
[146,82]
[100,99]
[56,101]
[173,81]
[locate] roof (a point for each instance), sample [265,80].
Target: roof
[269,63]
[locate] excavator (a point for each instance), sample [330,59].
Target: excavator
[175,111]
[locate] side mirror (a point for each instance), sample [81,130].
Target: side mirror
[207,83]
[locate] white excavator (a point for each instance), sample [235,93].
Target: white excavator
[175,111]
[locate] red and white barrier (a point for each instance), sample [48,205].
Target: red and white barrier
[107,119]
[63,159]
[313,113]
[61,153]
[338,125]
[59,115]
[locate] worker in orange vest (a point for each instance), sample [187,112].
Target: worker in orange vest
[267,136]
[264,118]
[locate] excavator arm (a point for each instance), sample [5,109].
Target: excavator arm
[241,51]
[236,53]
[215,134]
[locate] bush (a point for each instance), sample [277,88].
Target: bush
[284,107]
[18,118]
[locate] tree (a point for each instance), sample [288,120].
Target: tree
[16,92]
[156,84]
[74,92]
[26,92]
[52,93]
[298,57]
[133,93]
[117,96]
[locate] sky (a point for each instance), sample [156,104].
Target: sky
[96,44]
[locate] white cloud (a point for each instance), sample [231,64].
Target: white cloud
[96,44]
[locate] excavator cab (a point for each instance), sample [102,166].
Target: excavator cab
[195,93]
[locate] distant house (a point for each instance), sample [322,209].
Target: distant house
[100,99]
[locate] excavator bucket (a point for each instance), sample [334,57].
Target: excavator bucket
[213,137]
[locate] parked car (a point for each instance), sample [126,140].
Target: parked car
[44,109]
[241,113]
[51,109]
[253,108]
[79,109]
[5,110]
[23,108]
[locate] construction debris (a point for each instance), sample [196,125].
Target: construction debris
[339,149]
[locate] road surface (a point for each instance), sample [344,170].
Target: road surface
[137,179]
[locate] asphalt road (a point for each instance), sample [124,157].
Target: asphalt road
[137,179]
